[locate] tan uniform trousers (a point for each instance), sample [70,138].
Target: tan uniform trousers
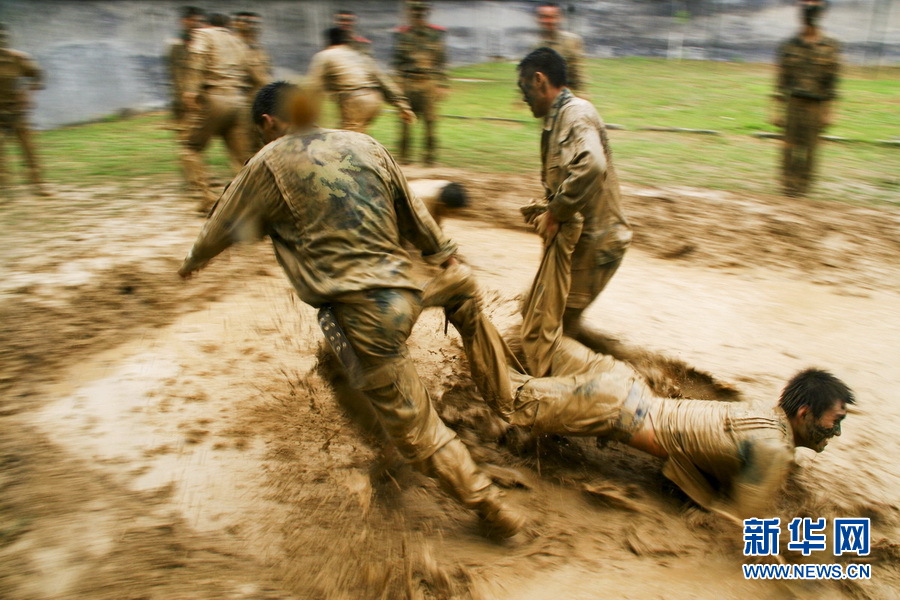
[359,109]
[377,324]
[222,114]
[15,122]
[803,123]
[422,95]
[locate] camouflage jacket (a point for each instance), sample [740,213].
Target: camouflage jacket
[341,69]
[336,207]
[570,47]
[579,177]
[724,454]
[14,66]
[420,53]
[809,70]
[220,60]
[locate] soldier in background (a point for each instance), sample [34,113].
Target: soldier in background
[14,105]
[421,62]
[356,81]
[248,25]
[178,59]
[216,99]
[569,45]
[346,20]
[808,65]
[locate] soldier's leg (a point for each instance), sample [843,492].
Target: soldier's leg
[586,286]
[234,127]
[795,156]
[23,133]
[414,95]
[812,129]
[429,116]
[377,324]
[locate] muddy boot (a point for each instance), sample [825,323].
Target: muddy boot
[500,519]
[451,287]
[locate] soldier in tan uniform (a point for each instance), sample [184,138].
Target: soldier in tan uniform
[216,96]
[729,457]
[808,66]
[569,45]
[178,59]
[346,20]
[14,104]
[579,182]
[356,82]
[336,208]
[421,63]
[248,26]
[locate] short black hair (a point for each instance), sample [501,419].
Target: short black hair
[335,36]
[454,196]
[219,20]
[547,61]
[270,101]
[815,388]
[188,12]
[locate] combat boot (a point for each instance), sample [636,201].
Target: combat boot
[500,519]
[451,287]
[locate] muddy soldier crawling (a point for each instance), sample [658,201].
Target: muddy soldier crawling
[14,104]
[337,209]
[808,66]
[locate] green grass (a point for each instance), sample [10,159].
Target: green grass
[729,97]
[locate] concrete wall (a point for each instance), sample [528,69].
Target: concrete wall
[103,56]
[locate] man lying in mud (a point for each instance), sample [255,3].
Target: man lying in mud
[729,457]
[337,209]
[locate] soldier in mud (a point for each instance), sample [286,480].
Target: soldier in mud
[808,66]
[579,182]
[178,60]
[16,66]
[336,207]
[569,45]
[441,197]
[356,82]
[346,20]
[728,457]
[215,96]
[421,64]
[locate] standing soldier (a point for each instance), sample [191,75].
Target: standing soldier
[580,184]
[178,58]
[569,45]
[421,62]
[808,65]
[248,25]
[216,98]
[14,105]
[357,82]
[346,20]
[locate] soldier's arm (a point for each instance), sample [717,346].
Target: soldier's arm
[584,163]
[240,215]
[198,55]
[766,465]
[413,219]
[388,88]
[317,72]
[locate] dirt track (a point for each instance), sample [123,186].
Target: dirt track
[168,440]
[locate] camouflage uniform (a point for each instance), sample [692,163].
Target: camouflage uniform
[807,77]
[220,74]
[580,181]
[420,61]
[711,447]
[336,207]
[358,84]
[14,105]
[571,48]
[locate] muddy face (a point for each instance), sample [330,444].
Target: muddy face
[816,432]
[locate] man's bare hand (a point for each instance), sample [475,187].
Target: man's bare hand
[185,273]
[450,262]
[547,226]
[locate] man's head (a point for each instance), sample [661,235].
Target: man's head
[418,13]
[549,16]
[247,24]
[811,11]
[542,75]
[272,111]
[815,403]
[192,18]
[335,36]
[219,20]
[345,19]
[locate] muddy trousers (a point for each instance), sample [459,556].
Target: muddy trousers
[17,125]
[221,114]
[377,324]
[422,95]
[803,123]
[359,109]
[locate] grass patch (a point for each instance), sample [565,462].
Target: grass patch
[729,97]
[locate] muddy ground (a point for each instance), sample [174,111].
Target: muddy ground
[169,440]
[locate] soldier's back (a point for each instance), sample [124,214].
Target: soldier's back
[225,57]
